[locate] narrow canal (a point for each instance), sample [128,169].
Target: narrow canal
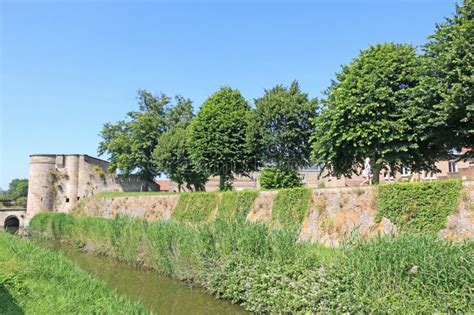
[158,293]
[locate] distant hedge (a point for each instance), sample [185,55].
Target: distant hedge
[418,207]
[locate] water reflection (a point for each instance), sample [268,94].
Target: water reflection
[159,293]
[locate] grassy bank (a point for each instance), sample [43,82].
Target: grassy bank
[36,281]
[267,270]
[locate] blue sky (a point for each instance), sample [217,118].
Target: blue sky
[67,67]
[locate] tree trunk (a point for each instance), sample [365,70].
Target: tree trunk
[376,168]
[221,182]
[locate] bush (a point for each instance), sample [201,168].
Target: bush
[275,178]
[418,207]
[21,201]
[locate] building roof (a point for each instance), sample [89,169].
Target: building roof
[164,184]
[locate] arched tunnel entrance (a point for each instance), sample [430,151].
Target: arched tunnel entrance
[12,224]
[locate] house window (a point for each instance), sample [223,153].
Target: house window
[302,177]
[318,167]
[388,177]
[67,199]
[456,151]
[429,175]
[452,167]
[405,171]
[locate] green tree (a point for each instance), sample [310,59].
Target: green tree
[371,111]
[280,127]
[16,189]
[172,156]
[218,136]
[279,177]
[448,79]
[130,143]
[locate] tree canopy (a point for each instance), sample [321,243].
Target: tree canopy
[218,136]
[371,110]
[130,143]
[173,158]
[448,79]
[280,127]
[16,189]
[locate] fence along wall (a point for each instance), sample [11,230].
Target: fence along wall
[330,216]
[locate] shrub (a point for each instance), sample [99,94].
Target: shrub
[21,201]
[418,207]
[275,178]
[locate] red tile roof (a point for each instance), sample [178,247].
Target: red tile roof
[164,184]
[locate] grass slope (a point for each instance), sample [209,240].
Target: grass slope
[267,270]
[36,281]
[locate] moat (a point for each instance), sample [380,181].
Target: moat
[158,293]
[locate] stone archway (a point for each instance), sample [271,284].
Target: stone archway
[12,224]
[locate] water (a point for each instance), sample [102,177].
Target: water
[158,293]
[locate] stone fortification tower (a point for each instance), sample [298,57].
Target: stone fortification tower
[40,184]
[57,182]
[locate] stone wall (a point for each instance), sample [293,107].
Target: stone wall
[335,214]
[8,213]
[57,182]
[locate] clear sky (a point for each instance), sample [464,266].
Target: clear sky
[67,67]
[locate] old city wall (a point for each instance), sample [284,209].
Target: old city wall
[5,215]
[57,182]
[334,215]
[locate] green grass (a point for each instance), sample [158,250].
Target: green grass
[267,270]
[37,281]
[236,204]
[419,207]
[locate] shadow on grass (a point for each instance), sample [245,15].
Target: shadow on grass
[7,303]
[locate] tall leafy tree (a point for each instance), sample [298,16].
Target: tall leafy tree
[280,127]
[16,189]
[172,156]
[448,79]
[371,110]
[130,143]
[218,136]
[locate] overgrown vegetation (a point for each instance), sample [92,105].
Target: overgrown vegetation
[290,207]
[267,270]
[236,205]
[419,207]
[196,207]
[36,281]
